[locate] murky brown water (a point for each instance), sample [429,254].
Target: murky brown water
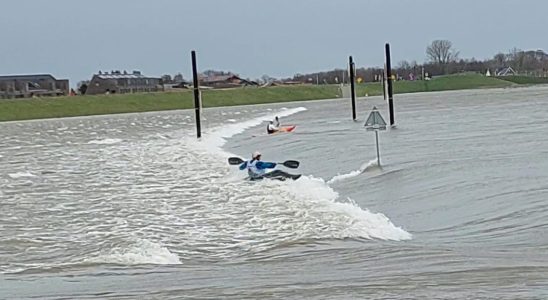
[132,206]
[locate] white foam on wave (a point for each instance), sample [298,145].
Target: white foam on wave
[341,219]
[322,214]
[21,175]
[364,167]
[142,252]
[105,141]
[213,140]
[347,218]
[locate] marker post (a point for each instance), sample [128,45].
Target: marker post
[375,122]
[389,84]
[197,101]
[352,88]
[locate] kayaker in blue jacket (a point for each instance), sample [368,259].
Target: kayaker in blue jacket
[255,167]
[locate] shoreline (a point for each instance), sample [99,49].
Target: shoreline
[273,103]
[88,106]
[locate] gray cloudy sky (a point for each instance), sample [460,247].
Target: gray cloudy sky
[75,38]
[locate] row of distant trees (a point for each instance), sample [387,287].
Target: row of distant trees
[442,59]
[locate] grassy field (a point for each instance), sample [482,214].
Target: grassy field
[525,79]
[38,108]
[53,107]
[442,83]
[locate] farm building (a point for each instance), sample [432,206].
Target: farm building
[120,83]
[507,71]
[25,86]
[225,81]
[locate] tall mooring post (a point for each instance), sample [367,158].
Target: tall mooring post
[352,70]
[197,105]
[389,82]
[384,93]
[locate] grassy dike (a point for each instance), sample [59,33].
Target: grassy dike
[39,108]
[54,107]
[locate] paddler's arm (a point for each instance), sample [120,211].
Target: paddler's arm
[265,165]
[243,166]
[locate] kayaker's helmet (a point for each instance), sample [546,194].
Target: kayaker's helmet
[256,155]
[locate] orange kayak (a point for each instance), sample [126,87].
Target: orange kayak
[287,128]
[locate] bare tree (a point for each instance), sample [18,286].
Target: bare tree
[441,52]
[500,59]
[166,78]
[266,78]
[413,64]
[404,65]
[178,78]
[82,86]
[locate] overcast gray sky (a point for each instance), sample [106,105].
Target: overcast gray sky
[74,38]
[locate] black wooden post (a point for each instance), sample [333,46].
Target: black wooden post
[352,90]
[389,82]
[196,94]
[384,83]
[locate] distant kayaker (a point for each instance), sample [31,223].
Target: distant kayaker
[256,168]
[272,128]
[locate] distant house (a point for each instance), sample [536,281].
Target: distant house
[121,83]
[507,71]
[270,83]
[284,82]
[177,83]
[25,86]
[225,81]
[292,82]
[175,86]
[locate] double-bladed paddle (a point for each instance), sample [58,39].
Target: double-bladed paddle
[293,164]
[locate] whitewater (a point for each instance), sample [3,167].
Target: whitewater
[135,206]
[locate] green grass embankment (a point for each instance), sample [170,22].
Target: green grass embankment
[525,79]
[54,107]
[442,83]
[39,108]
